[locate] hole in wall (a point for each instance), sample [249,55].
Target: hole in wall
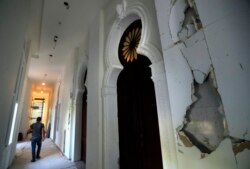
[205,120]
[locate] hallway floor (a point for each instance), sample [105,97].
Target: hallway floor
[51,158]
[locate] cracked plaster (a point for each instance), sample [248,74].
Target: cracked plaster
[184,20]
[224,48]
[228,44]
[205,124]
[196,52]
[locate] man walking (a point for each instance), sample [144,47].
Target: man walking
[38,134]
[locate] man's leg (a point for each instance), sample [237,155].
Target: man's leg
[39,145]
[33,150]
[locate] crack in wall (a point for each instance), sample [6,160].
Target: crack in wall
[184,20]
[239,145]
[204,127]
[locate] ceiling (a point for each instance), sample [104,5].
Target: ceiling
[56,28]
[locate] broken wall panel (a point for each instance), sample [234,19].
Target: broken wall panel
[179,82]
[204,123]
[225,48]
[184,20]
[228,43]
[241,146]
[176,18]
[196,52]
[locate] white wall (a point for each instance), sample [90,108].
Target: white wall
[222,43]
[94,99]
[24,125]
[14,15]
[53,110]
[66,83]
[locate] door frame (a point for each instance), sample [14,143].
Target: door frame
[129,12]
[76,119]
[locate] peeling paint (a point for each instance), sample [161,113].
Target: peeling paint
[239,147]
[185,140]
[176,18]
[191,23]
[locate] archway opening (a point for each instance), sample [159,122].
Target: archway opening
[139,140]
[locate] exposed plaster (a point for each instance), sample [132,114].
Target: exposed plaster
[184,20]
[204,123]
[239,145]
[185,140]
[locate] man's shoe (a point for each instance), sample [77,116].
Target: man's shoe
[38,157]
[32,161]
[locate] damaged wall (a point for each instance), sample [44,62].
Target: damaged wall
[204,122]
[201,39]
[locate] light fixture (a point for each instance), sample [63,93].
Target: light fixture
[43,83]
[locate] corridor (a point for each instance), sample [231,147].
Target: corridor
[126,84]
[51,158]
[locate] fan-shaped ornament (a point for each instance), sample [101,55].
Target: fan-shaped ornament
[129,42]
[130,45]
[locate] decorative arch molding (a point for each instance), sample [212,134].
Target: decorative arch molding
[76,119]
[128,12]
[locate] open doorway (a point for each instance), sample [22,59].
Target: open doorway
[84,125]
[37,109]
[139,140]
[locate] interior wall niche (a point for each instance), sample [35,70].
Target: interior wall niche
[205,124]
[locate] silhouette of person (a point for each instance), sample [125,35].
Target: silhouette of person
[38,135]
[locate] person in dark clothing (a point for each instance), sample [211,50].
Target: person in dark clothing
[38,134]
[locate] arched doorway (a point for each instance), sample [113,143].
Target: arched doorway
[139,140]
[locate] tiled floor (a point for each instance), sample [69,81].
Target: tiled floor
[51,158]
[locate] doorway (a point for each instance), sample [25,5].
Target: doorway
[139,139]
[84,125]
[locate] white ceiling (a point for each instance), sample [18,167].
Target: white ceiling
[50,18]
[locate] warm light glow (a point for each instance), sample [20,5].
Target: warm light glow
[13,124]
[41,91]
[43,84]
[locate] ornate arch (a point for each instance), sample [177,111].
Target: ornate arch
[149,46]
